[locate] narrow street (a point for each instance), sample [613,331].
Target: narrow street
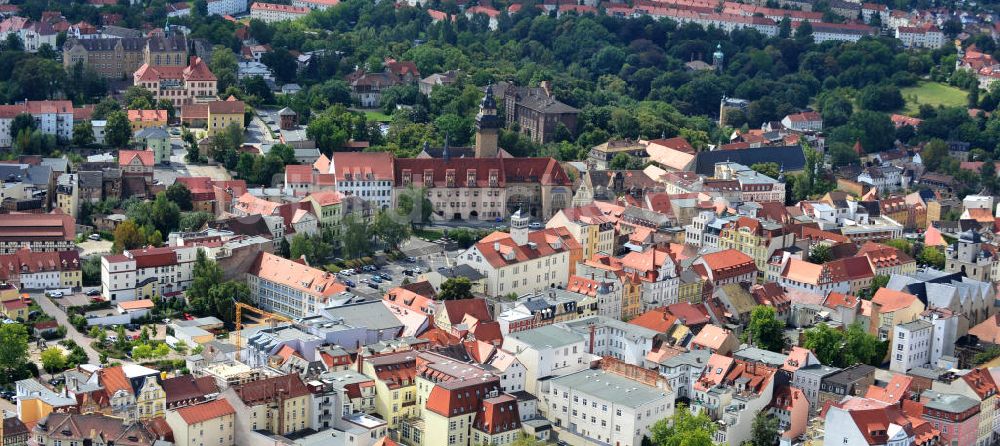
[52,310]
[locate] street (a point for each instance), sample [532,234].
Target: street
[60,316]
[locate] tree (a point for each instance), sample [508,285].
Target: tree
[331,129]
[825,342]
[804,31]
[771,169]
[764,431]
[935,151]
[138,98]
[53,360]
[356,241]
[820,254]
[988,176]
[205,273]
[879,281]
[226,143]
[13,349]
[83,134]
[165,213]
[180,194]
[105,108]
[193,221]
[282,63]
[456,288]
[224,66]
[414,202]
[390,228]
[117,131]
[931,256]
[684,429]
[128,235]
[765,330]
[23,121]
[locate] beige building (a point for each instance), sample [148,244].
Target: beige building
[279,404]
[521,262]
[210,423]
[590,226]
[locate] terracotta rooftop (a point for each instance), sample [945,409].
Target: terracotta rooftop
[202,412]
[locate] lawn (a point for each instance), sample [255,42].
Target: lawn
[933,93]
[375,115]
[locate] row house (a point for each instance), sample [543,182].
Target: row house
[926,36]
[758,239]
[30,270]
[848,275]
[272,12]
[52,117]
[38,232]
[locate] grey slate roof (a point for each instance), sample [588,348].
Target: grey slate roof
[611,387]
[791,157]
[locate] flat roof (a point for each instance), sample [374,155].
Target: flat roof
[612,388]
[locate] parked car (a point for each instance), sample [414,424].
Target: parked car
[408,272]
[55,294]
[350,283]
[376,279]
[535,226]
[385,276]
[95,237]
[94,292]
[411,259]
[372,285]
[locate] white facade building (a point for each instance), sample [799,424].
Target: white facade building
[911,345]
[607,408]
[272,12]
[547,351]
[227,7]
[147,273]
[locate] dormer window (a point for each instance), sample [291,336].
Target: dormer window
[407,177]
[494,178]
[449,178]
[428,176]
[470,178]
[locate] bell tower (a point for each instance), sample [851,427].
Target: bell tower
[487,126]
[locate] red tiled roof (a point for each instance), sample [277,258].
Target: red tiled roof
[145,157]
[298,173]
[211,410]
[113,379]
[295,275]
[497,415]
[500,250]
[981,381]
[361,164]
[894,391]
[892,300]
[657,319]
[147,115]
[230,106]
[264,390]
[456,310]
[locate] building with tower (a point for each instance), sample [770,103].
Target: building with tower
[522,261]
[487,126]
[968,257]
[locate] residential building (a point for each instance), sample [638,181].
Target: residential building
[367,175]
[808,378]
[754,186]
[865,421]
[895,307]
[208,423]
[156,140]
[911,345]
[609,337]
[848,275]
[957,416]
[927,36]
[803,121]
[758,239]
[547,351]
[290,288]
[886,260]
[279,404]
[521,262]
[35,270]
[607,407]
[52,117]
[69,428]
[137,163]
[977,384]
[851,381]
[715,339]
[38,232]
[590,226]
[180,85]
[315,4]
[222,114]
[227,7]
[726,266]
[732,392]
[141,119]
[272,12]
[536,111]
[395,385]
[600,156]
[147,273]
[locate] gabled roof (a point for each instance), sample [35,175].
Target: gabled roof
[892,300]
[263,391]
[127,157]
[202,412]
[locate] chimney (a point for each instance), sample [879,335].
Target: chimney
[547,87]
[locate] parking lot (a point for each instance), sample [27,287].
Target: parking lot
[395,272]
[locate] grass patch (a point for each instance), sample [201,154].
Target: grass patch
[933,93]
[375,115]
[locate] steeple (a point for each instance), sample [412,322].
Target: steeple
[717,58]
[487,126]
[519,228]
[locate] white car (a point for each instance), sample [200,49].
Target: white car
[95,237]
[56,294]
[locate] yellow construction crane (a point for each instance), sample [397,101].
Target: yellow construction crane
[262,317]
